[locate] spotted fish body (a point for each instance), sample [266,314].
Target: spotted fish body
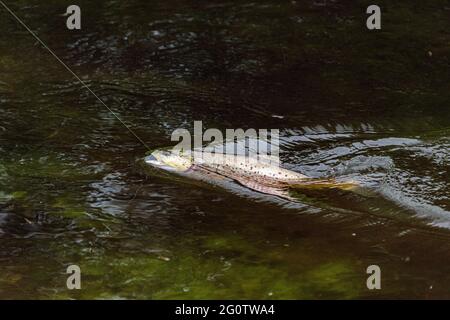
[257,174]
[251,168]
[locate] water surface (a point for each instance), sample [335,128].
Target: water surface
[368,106]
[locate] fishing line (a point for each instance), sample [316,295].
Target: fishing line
[74,74]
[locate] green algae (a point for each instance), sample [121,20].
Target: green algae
[221,267]
[68,207]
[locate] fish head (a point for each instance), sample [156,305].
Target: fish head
[170,160]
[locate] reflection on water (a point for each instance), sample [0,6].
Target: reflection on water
[72,190]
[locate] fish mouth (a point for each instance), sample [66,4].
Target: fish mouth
[153,161]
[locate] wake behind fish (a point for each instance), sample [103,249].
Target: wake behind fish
[408,177]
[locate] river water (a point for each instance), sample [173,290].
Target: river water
[367,106]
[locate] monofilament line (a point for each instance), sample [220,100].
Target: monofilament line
[73,73]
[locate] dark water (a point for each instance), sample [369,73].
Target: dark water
[370,106]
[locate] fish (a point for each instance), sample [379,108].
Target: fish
[257,173]
[266,177]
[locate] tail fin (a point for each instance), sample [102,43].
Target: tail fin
[318,184]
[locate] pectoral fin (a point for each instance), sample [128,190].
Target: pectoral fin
[324,183]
